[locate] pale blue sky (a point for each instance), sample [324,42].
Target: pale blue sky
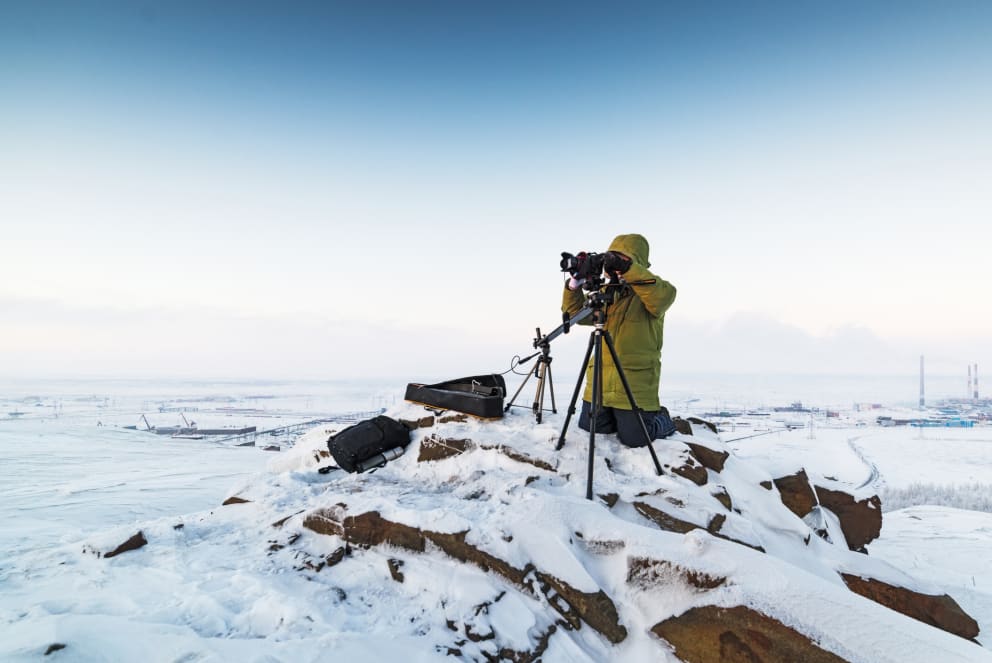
[345,188]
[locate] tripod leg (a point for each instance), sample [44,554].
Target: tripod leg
[538,406]
[630,397]
[575,394]
[597,403]
[551,387]
[520,388]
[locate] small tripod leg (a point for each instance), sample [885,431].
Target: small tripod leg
[630,397]
[520,388]
[538,406]
[551,388]
[575,394]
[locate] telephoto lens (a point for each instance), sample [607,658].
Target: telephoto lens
[594,264]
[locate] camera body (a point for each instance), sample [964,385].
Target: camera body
[583,266]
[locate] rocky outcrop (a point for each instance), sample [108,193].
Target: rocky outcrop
[371,529]
[692,470]
[649,573]
[682,426]
[723,497]
[234,499]
[737,635]
[707,457]
[702,422]
[664,520]
[423,422]
[394,569]
[796,493]
[135,542]
[501,496]
[668,522]
[513,454]
[438,448]
[941,611]
[860,520]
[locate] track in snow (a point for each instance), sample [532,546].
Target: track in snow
[874,479]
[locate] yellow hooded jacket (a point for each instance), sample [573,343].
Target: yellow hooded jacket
[636,321]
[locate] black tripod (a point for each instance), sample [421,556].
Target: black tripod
[597,303]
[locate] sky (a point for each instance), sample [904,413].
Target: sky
[384,188]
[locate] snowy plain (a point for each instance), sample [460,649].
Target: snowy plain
[68,484]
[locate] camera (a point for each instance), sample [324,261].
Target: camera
[584,266]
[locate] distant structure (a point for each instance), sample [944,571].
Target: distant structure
[975,395]
[969,392]
[923,402]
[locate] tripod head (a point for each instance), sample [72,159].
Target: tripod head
[598,300]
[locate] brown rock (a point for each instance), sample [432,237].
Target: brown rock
[692,471]
[941,611]
[135,542]
[327,521]
[513,454]
[235,500]
[709,458]
[737,635]
[453,418]
[664,520]
[371,529]
[394,569]
[767,485]
[703,422]
[716,523]
[515,656]
[796,493]
[605,547]
[861,521]
[282,521]
[647,573]
[723,498]
[670,523]
[413,424]
[335,557]
[682,426]
[595,609]
[610,499]
[54,647]
[438,448]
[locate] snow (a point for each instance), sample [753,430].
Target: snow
[949,547]
[222,583]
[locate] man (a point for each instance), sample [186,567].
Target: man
[636,321]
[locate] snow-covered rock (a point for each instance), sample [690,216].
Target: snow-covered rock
[479,544]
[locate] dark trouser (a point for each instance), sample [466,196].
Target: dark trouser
[624,423]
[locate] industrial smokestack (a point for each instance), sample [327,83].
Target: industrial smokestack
[969,392]
[976,382]
[923,402]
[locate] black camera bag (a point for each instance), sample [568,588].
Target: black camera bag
[478,395]
[365,440]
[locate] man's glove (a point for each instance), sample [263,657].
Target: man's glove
[615,262]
